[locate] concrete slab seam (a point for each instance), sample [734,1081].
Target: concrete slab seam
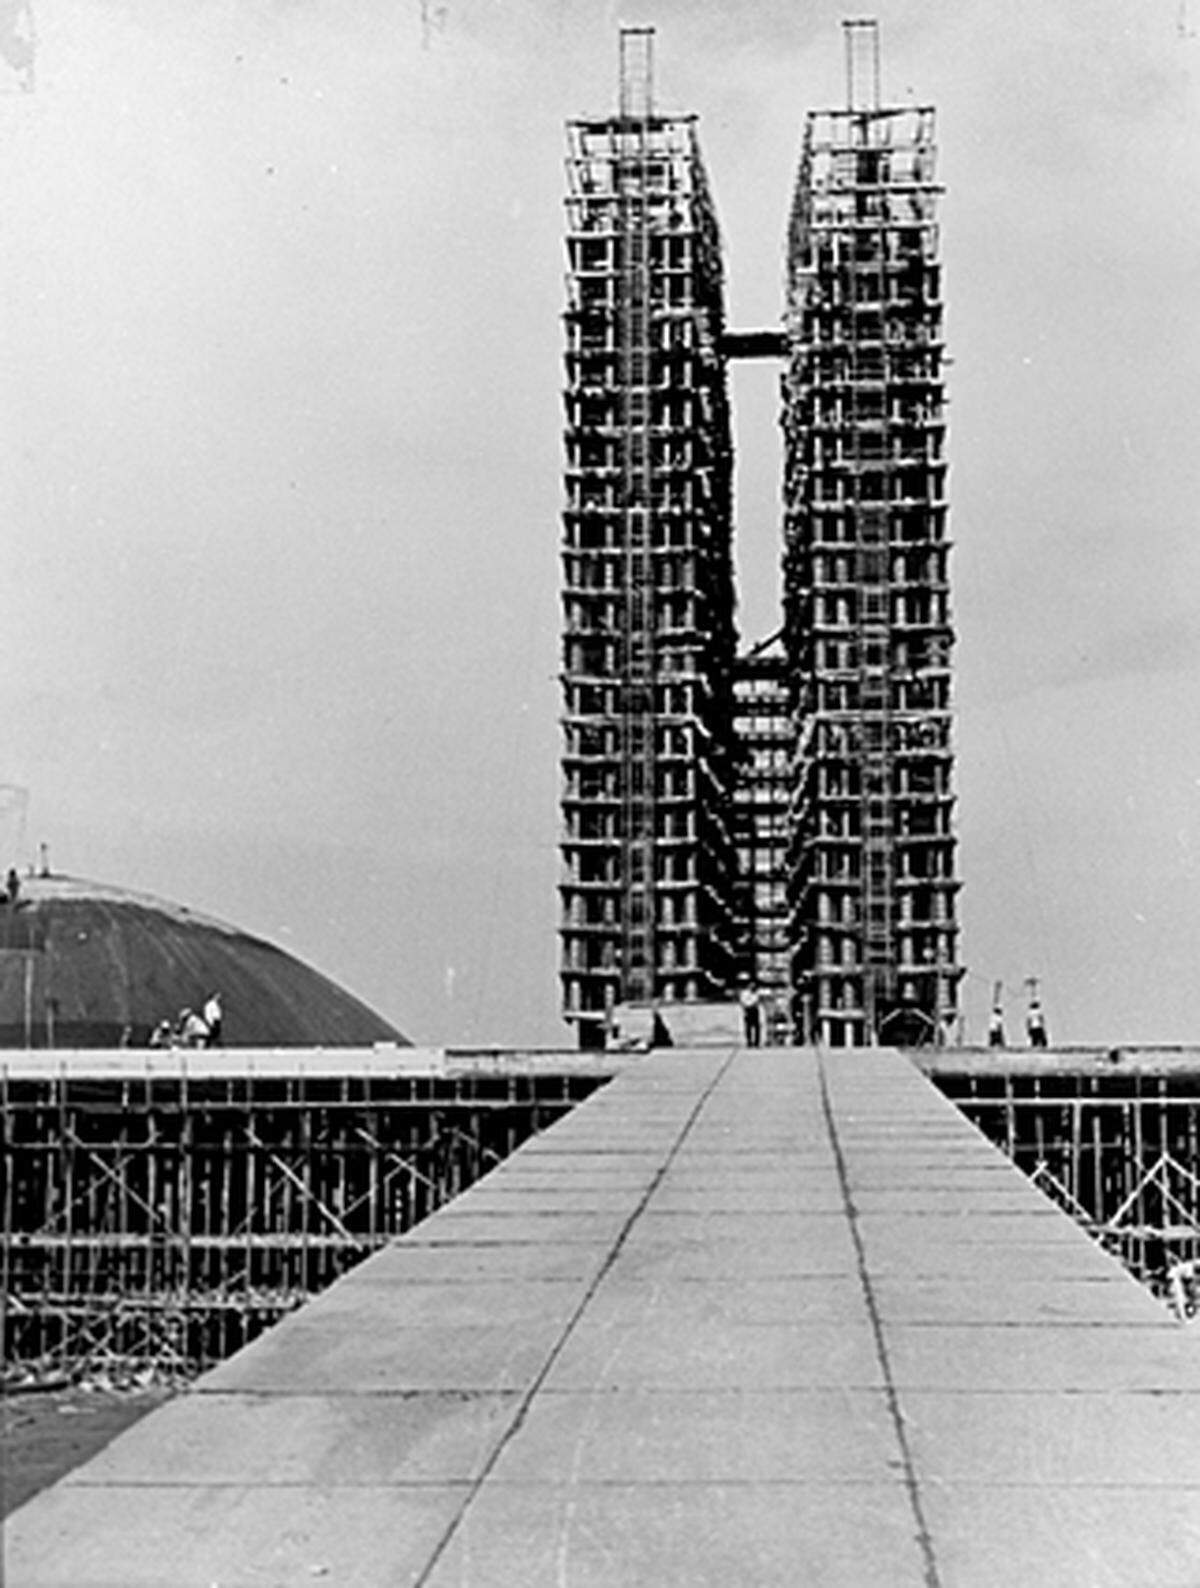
[572,1322]
[911,1485]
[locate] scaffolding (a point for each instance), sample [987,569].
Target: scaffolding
[1115,1143]
[648,641]
[872,883]
[159,1214]
[761,804]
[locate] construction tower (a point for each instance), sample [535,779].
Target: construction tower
[648,634]
[872,887]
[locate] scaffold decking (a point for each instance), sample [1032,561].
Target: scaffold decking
[772,1317]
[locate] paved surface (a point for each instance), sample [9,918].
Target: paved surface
[741,1318]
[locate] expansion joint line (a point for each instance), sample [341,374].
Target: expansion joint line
[911,1486]
[573,1321]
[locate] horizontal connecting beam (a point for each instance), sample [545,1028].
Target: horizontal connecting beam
[753,344]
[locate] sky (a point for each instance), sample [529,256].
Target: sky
[280,483]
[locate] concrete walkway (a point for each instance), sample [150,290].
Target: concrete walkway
[742,1318]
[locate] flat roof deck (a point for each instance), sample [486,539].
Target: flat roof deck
[743,1317]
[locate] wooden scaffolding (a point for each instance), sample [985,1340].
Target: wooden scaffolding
[159,1213]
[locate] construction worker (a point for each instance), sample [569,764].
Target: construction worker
[1035,1025]
[751,1014]
[212,1019]
[996,1027]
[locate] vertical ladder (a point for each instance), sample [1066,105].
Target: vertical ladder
[638,718]
[877,904]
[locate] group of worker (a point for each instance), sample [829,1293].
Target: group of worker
[191,1029]
[750,1000]
[1035,1026]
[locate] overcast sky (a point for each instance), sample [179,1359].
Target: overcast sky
[280,485]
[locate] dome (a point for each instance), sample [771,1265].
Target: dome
[83,965]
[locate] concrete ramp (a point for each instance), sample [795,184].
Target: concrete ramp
[741,1318]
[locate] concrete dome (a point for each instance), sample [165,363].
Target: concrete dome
[84,965]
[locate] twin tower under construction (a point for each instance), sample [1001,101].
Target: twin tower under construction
[775,815]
